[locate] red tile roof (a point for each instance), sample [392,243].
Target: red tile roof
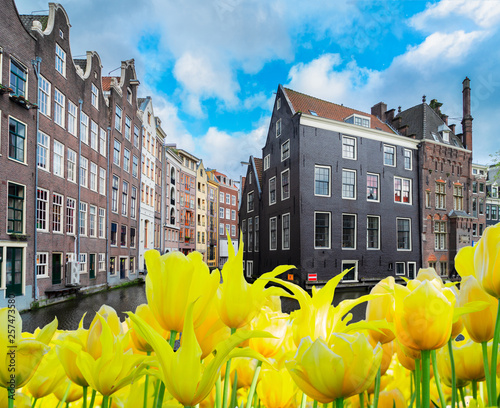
[305,103]
[258,168]
[106,82]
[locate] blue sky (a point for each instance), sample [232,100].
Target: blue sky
[212,66]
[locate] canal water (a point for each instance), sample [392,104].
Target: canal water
[127,299]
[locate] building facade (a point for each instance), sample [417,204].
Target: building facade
[187,190]
[201,210]
[212,220]
[172,208]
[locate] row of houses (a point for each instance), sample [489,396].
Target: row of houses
[89,181]
[381,193]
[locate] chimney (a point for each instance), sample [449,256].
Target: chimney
[445,119]
[467,118]
[452,128]
[379,110]
[389,115]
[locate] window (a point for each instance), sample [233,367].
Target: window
[124,198]
[474,229]
[474,207]
[128,128]
[102,142]
[352,275]
[72,165]
[440,235]
[402,190]
[102,223]
[256,234]
[403,233]
[102,262]
[221,228]
[278,128]
[135,166]
[233,231]
[400,269]
[94,98]
[57,212]
[221,197]
[114,194]
[118,118]
[321,230]
[92,221]
[407,160]
[233,199]
[322,181]
[221,213]
[83,263]
[42,207]
[458,197]
[132,237]
[250,202]
[116,152]
[93,176]
[102,181]
[349,184]
[373,232]
[481,228]
[285,223]
[228,199]
[84,166]
[70,215]
[233,215]
[250,234]
[93,135]
[84,128]
[136,136]
[272,234]
[58,167]
[15,209]
[481,187]
[123,236]
[44,96]
[59,100]
[83,218]
[372,187]
[114,229]
[267,162]
[42,265]
[249,271]
[493,212]
[278,103]
[389,156]
[427,199]
[72,118]
[18,78]
[60,60]
[17,137]
[440,195]
[272,191]
[285,150]
[112,265]
[348,147]
[481,207]
[228,214]
[126,160]
[43,151]
[444,268]
[348,231]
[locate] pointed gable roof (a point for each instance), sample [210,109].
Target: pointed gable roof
[304,103]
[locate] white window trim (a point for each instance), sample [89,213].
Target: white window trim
[63,219]
[281,184]
[411,159]
[63,107]
[378,247]
[46,274]
[410,192]
[85,263]
[396,269]
[267,162]
[48,94]
[355,148]
[99,261]
[329,229]
[356,270]
[275,198]
[329,181]
[378,187]
[48,155]
[411,243]
[47,210]
[96,222]
[383,155]
[355,185]
[278,126]
[270,243]
[414,268]
[282,144]
[249,269]
[64,60]
[355,232]
[283,232]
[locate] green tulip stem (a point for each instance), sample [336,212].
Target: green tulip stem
[157,386]
[461,390]
[146,381]
[303,400]
[227,378]
[254,384]
[34,402]
[105,400]
[92,398]
[339,402]
[362,400]
[85,387]
[494,355]
[66,394]
[417,382]
[453,374]
[234,393]
[376,391]
[325,405]
[426,378]
[218,385]
[315,404]
[412,391]
[161,393]
[442,400]
[474,389]
[484,345]
[67,405]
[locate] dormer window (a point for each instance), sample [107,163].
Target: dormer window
[129,95]
[358,120]
[278,104]
[446,136]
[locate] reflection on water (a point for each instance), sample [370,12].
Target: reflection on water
[127,299]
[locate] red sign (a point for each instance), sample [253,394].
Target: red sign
[290,276]
[312,277]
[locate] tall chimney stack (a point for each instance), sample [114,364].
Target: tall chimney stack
[467,118]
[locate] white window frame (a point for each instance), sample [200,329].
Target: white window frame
[356,270]
[128,127]
[93,225]
[60,60]
[317,166]
[403,179]
[233,215]
[101,264]
[396,268]
[93,176]
[83,218]
[94,99]
[393,155]
[272,180]
[251,193]
[59,104]
[409,235]
[54,213]
[233,198]
[221,213]
[84,127]
[329,230]
[102,142]
[278,128]
[42,264]
[378,233]
[275,219]
[101,223]
[283,246]
[283,197]
[410,157]
[285,154]
[355,152]
[221,197]
[355,184]
[355,233]
[228,213]
[118,118]
[94,136]
[84,171]
[249,269]
[43,146]
[126,160]
[117,153]
[83,263]
[46,210]
[267,162]
[73,217]
[102,181]
[44,88]
[72,118]
[378,187]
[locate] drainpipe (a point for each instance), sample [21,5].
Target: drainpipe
[108,191]
[139,217]
[36,67]
[80,102]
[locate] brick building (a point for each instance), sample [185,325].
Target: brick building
[187,191]
[201,209]
[173,165]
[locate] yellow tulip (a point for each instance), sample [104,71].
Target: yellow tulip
[211,331]
[237,300]
[423,315]
[145,313]
[276,389]
[109,314]
[487,260]
[186,377]
[391,399]
[47,377]
[75,391]
[275,323]
[428,274]
[19,357]
[479,325]
[245,368]
[68,347]
[326,372]
[406,356]
[464,261]
[21,400]
[173,282]
[114,368]
[382,308]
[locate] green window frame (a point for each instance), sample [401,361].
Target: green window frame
[18,77]
[17,137]
[15,209]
